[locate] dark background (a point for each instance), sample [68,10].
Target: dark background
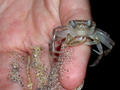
[105,75]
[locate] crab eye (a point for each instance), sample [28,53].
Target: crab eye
[89,22]
[72,23]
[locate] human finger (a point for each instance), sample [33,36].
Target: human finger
[74,69]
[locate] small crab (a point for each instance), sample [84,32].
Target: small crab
[82,31]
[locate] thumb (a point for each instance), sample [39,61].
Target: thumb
[75,59]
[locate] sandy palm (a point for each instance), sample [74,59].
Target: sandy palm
[27,23]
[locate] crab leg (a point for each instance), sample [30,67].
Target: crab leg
[106,40]
[58,35]
[100,53]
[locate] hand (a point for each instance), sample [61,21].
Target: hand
[28,23]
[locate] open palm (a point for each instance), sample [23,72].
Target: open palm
[28,23]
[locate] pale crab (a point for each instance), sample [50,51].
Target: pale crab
[82,31]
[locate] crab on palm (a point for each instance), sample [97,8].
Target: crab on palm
[82,32]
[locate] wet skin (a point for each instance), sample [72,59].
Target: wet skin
[28,23]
